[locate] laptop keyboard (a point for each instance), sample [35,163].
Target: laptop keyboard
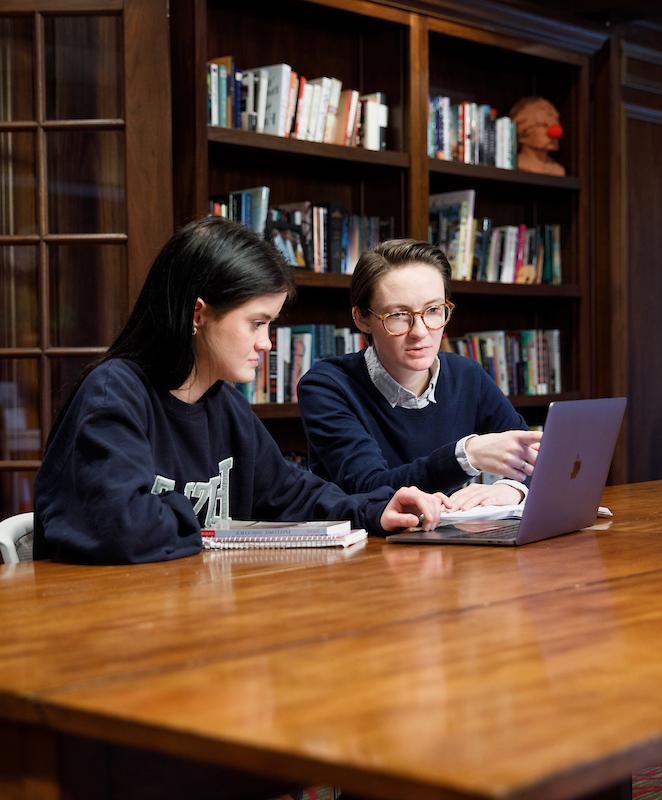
[503,532]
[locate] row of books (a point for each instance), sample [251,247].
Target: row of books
[294,349]
[519,362]
[471,133]
[331,239]
[516,253]
[250,206]
[322,237]
[277,100]
[479,250]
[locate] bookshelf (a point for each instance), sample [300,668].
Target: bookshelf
[520,67]
[375,46]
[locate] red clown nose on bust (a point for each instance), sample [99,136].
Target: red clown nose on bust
[555,131]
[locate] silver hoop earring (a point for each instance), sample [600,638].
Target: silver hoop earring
[195,330]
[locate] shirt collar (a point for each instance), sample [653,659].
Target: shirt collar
[393,392]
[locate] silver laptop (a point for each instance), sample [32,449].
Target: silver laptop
[568,479]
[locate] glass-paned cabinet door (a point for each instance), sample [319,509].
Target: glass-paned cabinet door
[84,67]
[20,421]
[19,288]
[17,73]
[88,293]
[77,141]
[86,184]
[18,184]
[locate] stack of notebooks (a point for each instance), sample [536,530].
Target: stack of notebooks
[248,535]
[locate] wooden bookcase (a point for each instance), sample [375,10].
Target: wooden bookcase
[377,46]
[469,63]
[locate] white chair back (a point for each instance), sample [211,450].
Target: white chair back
[16,538]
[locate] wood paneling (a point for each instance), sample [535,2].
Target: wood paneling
[610,280]
[419,88]
[644,264]
[148,136]
[627,242]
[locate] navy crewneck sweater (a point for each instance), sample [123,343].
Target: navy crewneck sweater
[111,486]
[359,441]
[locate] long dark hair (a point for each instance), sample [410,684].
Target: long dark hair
[223,263]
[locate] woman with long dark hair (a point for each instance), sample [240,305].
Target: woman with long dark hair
[156,442]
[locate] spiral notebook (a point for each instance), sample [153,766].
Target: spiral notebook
[236,557]
[243,540]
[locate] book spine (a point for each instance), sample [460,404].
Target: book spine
[284,99]
[352,117]
[248,115]
[556,254]
[325,98]
[278,94]
[303,109]
[311,131]
[261,101]
[332,111]
[222,96]
[212,86]
[291,103]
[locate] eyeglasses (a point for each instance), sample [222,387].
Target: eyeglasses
[398,323]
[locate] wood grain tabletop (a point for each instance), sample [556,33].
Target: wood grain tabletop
[392,670]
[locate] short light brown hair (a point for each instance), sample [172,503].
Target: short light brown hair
[394,253]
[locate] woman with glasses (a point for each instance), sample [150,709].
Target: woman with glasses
[402,413]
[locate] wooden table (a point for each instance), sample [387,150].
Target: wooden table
[393,671]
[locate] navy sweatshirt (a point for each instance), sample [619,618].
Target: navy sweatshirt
[114,482]
[359,441]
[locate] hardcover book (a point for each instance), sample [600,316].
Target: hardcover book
[278,98]
[301,213]
[243,527]
[375,121]
[318,125]
[314,110]
[332,111]
[262,85]
[454,213]
[346,116]
[227,62]
[259,201]
[303,109]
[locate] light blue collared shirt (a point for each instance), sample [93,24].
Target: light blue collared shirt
[397,395]
[393,392]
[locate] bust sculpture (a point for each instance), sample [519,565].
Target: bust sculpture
[538,134]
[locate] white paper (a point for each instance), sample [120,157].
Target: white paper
[495,512]
[482,513]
